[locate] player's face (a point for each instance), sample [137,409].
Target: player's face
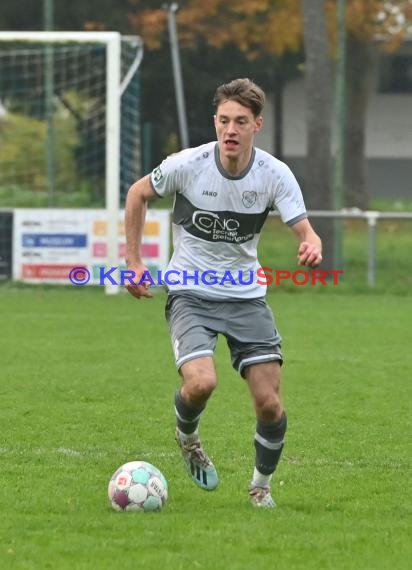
[236,128]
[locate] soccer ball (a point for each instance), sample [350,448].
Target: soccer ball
[137,486]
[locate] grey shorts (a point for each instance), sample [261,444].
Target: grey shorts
[248,326]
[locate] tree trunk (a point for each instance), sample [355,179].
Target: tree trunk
[318,88]
[359,75]
[278,89]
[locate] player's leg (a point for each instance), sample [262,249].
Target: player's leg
[264,382]
[199,381]
[255,348]
[194,342]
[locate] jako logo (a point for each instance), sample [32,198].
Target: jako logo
[207,193]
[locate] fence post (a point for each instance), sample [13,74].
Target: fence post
[371,217]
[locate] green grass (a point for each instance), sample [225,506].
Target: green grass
[21,198]
[88,382]
[389,204]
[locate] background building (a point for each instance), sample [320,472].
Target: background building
[389,127]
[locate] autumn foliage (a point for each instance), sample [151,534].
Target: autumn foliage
[260,27]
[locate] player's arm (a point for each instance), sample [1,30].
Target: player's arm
[310,244]
[135,214]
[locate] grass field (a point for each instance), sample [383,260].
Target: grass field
[88,382]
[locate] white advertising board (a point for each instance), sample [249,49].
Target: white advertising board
[49,243]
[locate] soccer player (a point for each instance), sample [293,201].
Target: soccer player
[223,193]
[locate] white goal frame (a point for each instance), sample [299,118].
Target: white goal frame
[112,40]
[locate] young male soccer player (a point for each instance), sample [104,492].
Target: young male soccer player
[223,191]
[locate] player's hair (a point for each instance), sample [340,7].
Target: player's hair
[244,91]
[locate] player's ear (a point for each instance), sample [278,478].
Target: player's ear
[258,123]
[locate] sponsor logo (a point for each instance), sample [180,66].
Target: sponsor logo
[208,193]
[77,275]
[54,240]
[219,227]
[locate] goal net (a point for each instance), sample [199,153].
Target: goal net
[69,121]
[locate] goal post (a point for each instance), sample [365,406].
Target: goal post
[24,57]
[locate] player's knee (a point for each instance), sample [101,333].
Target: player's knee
[269,407]
[199,387]
[202,390]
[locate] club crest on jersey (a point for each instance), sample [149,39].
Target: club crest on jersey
[249,198]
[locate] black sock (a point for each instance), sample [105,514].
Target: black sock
[269,438]
[187,416]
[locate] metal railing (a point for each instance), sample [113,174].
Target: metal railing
[371,217]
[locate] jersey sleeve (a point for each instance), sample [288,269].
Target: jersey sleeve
[169,177]
[288,199]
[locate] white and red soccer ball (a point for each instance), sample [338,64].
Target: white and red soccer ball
[137,486]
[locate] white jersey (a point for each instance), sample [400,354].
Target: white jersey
[217,219]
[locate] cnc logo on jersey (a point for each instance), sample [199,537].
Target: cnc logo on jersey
[157,175]
[249,198]
[227,226]
[219,227]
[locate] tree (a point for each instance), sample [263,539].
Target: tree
[70,16]
[360,72]
[366,21]
[266,32]
[259,37]
[269,30]
[370,24]
[318,84]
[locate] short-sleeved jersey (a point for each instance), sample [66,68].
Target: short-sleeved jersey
[217,219]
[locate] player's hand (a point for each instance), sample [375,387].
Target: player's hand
[309,255]
[140,287]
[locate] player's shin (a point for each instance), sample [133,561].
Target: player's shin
[269,441]
[187,416]
[198,464]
